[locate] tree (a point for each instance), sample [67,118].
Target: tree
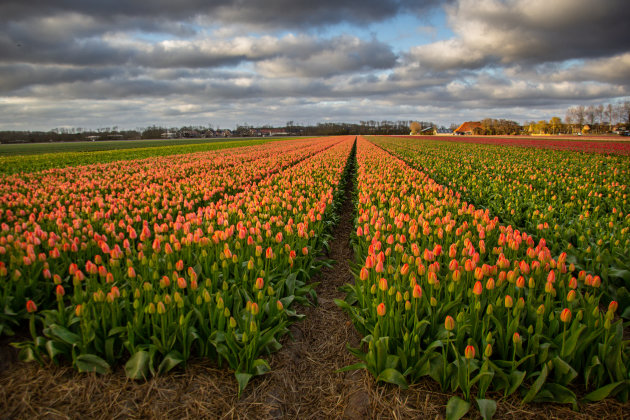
[415,127]
[610,114]
[589,113]
[580,115]
[625,112]
[555,123]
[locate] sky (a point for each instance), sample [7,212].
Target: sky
[132,64]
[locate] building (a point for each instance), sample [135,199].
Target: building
[267,132]
[468,128]
[443,132]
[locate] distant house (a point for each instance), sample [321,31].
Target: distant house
[267,132]
[189,134]
[169,135]
[93,138]
[443,132]
[467,128]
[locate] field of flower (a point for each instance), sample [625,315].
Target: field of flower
[579,202]
[444,290]
[152,261]
[591,144]
[492,270]
[38,157]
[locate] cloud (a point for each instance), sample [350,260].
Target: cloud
[493,32]
[81,63]
[257,13]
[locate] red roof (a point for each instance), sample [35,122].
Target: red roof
[468,127]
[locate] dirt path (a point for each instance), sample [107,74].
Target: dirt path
[304,381]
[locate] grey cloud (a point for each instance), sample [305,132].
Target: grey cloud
[341,55]
[263,13]
[491,32]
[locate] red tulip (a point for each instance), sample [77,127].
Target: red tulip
[478,288]
[31,307]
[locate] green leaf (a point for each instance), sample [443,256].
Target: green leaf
[536,386]
[64,334]
[137,367]
[91,363]
[260,367]
[603,392]
[456,408]
[29,354]
[242,379]
[393,377]
[516,379]
[487,408]
[54,348]
[172,359]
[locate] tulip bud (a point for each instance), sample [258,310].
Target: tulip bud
[31,306]
[380,309]
[449,323]
[488,351]
[612,306]
[565,315]
[469,352]
[516,338]
[477,289]
[160,308]
[508,301]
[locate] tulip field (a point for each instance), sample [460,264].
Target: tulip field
[578,202]
[489,269]
[150,262]
[444,290]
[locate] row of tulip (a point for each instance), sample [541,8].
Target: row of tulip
[577,201]
[442,289]
[54,218]
[200,255]
[126,150]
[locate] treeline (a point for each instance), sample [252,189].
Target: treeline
[154,131]
[364,127]
[498,127]
[58,135]
[600,118]
[591,119]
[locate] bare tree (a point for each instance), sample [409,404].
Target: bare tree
[570,118]
[590,115]
[580,115]
[599,111]
[610,114]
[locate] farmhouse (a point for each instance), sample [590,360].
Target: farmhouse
[467,128]
[266,132]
